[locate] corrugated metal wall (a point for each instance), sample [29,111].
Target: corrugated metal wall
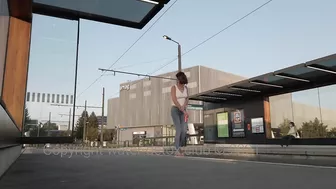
[148,101]
[113,112]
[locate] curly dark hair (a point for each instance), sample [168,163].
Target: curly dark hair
[182,78]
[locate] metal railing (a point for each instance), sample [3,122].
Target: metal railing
[154,141]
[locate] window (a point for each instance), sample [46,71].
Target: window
[146,83]
[38,97]
[166,90]
[33,97]
[28,96]
[132,96]
[147,93]
[71,99]
[55,40]
[67,99]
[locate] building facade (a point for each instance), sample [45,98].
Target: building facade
[144,105]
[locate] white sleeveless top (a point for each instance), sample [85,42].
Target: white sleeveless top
[181,97]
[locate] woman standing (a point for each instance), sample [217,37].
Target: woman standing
[179,95]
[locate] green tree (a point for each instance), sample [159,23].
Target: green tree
[27,121]
[314,129]
[109,134]
[51,126]
[332,133]
[80,125]
[284,127]
[92,127]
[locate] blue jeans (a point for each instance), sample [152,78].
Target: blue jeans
[180,127]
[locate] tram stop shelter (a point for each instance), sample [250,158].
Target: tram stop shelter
[240,112]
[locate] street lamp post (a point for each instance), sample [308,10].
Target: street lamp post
[178,51]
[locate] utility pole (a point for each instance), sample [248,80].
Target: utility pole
[69,119]
[102,120]
[49,123]
[38,129]
[49,120]
[84,127]
[179,58]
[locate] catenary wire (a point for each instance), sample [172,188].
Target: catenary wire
[128,48]
[206,40]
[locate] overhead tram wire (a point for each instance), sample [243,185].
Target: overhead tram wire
[136,74]
[145,62]
[206,40]
[129,48]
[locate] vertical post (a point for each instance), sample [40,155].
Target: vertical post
[38,129]
[84,126]
[49,123]
[49,120]
[69,119]
[118,130]
[319,101]
[179,58]
[102,120]
[75,87]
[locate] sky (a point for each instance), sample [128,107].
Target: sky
[281,34]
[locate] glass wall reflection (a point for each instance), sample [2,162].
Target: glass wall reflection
[4,24]
[313,112]
[51,77]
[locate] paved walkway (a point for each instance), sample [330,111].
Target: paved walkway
[87,171]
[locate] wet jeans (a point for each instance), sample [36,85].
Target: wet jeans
[180,127]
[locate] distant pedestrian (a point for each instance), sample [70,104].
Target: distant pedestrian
[179,95]
[292,133]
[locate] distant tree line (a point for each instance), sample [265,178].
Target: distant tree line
[92,128]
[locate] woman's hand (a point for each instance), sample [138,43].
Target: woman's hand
[181,109]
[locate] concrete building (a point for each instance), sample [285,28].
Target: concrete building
[144,105]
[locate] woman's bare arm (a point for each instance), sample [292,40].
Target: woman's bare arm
[187,100]
[174,98]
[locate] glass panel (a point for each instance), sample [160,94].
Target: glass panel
[306,109]
[313,112]
[52,53]
[328,109]
[129,10]
[4,24]
[269,78]
[328,63]
[298,71]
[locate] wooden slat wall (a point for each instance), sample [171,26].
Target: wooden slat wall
[16,68]
[267,117]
